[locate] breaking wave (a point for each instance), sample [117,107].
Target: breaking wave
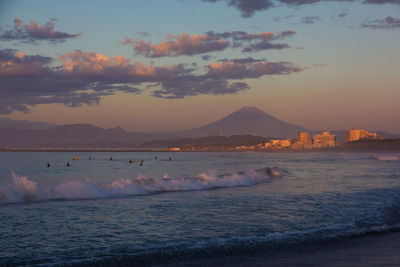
[386,158]
[21,189]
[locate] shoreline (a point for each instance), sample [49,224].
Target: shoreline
[372,250]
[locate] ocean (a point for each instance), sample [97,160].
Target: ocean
[198,205]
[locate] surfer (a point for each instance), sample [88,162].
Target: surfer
[68,164]
[141,162]
[130,161]
[47,164]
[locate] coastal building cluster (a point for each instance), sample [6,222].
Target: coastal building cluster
[318,141]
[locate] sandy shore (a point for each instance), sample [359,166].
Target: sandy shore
[375,250]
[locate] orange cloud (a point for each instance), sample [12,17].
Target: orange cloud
[189,45]
[177,45]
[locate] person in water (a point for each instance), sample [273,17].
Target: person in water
[90,157]
[155,157]
[68,164]
[47,164]
[141,162]
[110,158]
[130,161]
[170,159]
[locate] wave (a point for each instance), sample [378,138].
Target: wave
[21,189]
[386,158]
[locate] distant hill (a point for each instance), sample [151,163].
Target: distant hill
[248,120]
[24,124]
[73,135]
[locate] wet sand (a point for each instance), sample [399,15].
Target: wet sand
[374,250]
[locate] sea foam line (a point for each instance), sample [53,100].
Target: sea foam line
[22,189]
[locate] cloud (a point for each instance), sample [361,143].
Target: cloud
[298,2]
[216,80]
[195,85]
[189,45]
[85,77]
[310,19]
[248,8]
[264,45]
[33,32]
[177,45]
[385,24]
[279,19]
[342,14]
[206,57]
[249,68]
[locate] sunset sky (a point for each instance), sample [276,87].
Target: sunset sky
[148,65]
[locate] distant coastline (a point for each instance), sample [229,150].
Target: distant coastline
[349,148]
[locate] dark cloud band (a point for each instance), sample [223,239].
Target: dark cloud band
[388,23]
[85,77]
[248,8]
[33,32]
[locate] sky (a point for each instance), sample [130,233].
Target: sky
[156,65]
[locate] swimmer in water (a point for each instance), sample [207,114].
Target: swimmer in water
[47,164]
[68,164]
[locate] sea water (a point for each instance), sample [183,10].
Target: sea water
[180,206]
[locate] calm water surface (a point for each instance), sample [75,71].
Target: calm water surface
[196,205]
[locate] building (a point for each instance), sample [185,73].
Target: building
[303,141]
[285,143]
[360,134]
[263,145]
[324,140]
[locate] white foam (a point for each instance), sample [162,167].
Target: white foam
[21,189]
[386,158]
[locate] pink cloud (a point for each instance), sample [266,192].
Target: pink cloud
[177,45]
[185,44]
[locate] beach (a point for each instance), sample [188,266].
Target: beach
[372,250]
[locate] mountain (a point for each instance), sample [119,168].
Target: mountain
[24,124]
[73,135]
[248,120]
